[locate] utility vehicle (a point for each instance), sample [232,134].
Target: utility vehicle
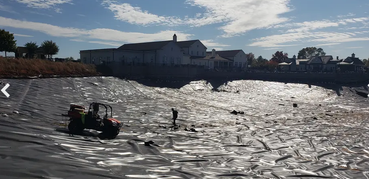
[79,120]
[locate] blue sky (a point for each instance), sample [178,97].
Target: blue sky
[340,27]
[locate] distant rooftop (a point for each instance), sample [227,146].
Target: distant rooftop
[226,53]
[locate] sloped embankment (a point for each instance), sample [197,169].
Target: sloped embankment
[25,68]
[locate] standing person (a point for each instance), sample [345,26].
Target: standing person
[175,115]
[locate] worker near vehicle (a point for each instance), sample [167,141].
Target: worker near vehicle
[175,116]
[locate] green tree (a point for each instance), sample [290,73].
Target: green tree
[69,59]
[308,52]
[250,58]
[261,62]
[31,48]
[279,57]
[366,62]
[50,48]
[7,42]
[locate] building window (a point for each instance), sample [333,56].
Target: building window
[202,53]
[197,52]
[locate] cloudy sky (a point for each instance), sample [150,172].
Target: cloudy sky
[340,27]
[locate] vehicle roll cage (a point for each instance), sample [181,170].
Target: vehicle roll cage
[100,104]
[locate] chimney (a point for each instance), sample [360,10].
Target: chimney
[338,58]
[213,53]
[174,38]
[353,55]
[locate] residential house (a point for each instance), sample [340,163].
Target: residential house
[192,49]
[331,64]
[301,65]
[97,56]
[211,61]
[323,64]
[313,64]
[352,64]
[170,52]
[236,59]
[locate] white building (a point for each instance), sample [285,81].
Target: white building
[170,52]
[97,56]
[192,49]
[223,59]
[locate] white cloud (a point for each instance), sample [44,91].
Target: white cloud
[6,9]
[58,10]
[314,25]
[77,40]
[327,44]
[113,44]
[93,35]
[109,43]
[45,4]
[134,15]
[354,47]
[306,32]
[279,40]
[327,38]
[22,35]
[347,15]
[235,16]
[210,44]
[240,16]
[39,13]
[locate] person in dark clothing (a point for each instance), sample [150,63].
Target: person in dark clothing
[175,115]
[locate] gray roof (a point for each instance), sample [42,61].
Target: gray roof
[226,53]
[315,59]
[216,58]
[146,46]
[184,44]
[103,49]
[334,61]
[326,59]
[353,60]
[320,59]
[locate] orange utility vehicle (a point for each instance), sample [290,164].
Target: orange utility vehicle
[79,120]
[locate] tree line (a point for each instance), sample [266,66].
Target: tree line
[9,44]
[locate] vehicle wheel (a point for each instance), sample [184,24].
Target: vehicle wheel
[75,127]
[111,132]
